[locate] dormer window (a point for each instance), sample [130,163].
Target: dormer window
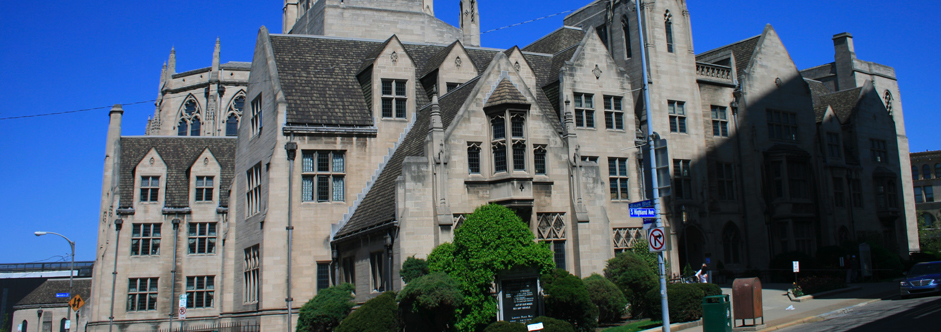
[149,188]
[204,188]
[394,99]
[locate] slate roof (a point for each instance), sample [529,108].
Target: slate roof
[842,103]
[179,154]
[45,294]
[818,89]
[555,66]
[378,206]
[506,93]
[556,41]
[435,61]
[742,51]
[236,65]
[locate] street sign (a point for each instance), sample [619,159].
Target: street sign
[642,204]
[182,313]
[656,239]
[797,266]
[76,302]
[62,294]
[650,221]
[643,213]
[182,306]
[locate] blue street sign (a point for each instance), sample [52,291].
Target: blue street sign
[62,294]
[642,204]
[643,213]
[650,221]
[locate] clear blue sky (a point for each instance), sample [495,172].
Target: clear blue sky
[72,55]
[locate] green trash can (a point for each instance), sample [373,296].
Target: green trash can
[716,313]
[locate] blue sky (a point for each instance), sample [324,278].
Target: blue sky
[73,55]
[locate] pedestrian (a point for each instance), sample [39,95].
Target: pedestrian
[701,274]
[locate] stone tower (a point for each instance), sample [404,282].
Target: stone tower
[470,22]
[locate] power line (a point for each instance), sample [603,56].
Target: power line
[530,21]
[75,111]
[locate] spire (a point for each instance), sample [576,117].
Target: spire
[171,64]
[435,114]
[470,22]
[215,56]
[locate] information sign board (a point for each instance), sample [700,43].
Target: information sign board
[520,303]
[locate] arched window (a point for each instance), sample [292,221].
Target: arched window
[668,28]
[62,325]
[189,119]
[926,172]
[732,244]
[888,101]
[235,114]
[929,220]
[195,127]
[626,29]
[25,325]
[182,128]
[914,172]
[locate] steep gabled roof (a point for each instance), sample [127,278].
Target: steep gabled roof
[179,154]
[435,61]
[742,51]
[842,103]
[556,41]
[558,60]
[506,93]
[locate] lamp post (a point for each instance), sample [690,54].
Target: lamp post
[71,269]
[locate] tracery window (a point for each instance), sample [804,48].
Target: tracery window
[624,238]
[888,101]
[551,229]
[190,123]
[500,143]
[235,115]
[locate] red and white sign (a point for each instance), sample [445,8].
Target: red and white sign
[182,313]
[656,239]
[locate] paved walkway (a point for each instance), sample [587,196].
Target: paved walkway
[775,304]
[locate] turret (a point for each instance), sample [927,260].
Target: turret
[470,22]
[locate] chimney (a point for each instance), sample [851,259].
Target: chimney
[844,56]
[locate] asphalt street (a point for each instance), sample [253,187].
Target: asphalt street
[893,314]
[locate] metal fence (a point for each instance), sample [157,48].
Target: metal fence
[216,327]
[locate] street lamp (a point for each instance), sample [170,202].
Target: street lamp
[71,269]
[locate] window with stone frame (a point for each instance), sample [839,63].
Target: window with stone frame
[394,98]
[856,191]
[202,237]
[937,170]
[782,125]
[348,265]
[539,159]
[926,172]
[377,264]
[798,180]
[720,121]
[516,141]
[626,30]
[618,179]
[929,194]
[200,291]
[256,115]
[251,268]
[915,173]
[189,124]
[323,275]
[593,159]
[725,181]
[324,175]
[731,244]
[452,86]
[625,238]
[145,239]
[613,113]
[149,188]
[551,229]
[473,157]
[584,110]
[924,194]
[834,147]
[878,152]
[888,101]
[918,197]
[235,114]
[677,112]
[204,188]
[682,179]
[886,193]
[142,294]
[668,30]
[253,191]
[838,192]
[777,179]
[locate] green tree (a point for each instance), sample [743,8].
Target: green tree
[929,236]
[325,311]
[492,239]
[607,296]
[634,276]
[567,298]
[413,268]
[381,314]
[428,303]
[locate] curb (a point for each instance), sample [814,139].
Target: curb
[677,326]
[829,292]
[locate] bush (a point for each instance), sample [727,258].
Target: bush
[709,289]
[413,268]
[685,301]
[607,297]
[814,284]
[504,326]
[633,275]
[377,315]
[567,299]
[885,263]
[428,303]
[550,324]
[325,311]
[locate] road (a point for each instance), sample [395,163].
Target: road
[894,314]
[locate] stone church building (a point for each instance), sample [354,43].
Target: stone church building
[366,130]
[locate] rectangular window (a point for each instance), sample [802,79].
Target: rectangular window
[798,180]
[918,197]
[677,110]
[929,194]
[593,159]
[204,188]
[142,294]
[349,270]
[202,238]
[777,178]
[584,110]
[613,113]
[856,191]
[253,191]
[878,151]
[720,121]
[252,266]
[473,157]
[682,179]
[519,156]
[324,174]
[782,125]
[323,276]
[145,239]
[833,145]
[199,291]
[838,199]
[558,253]
[394,99]
[539,159]
[617,177]
[725,181]
[256,115]
[499,156]
[452,86]
[149,188]
[377,268]
[626,30]
[668,28]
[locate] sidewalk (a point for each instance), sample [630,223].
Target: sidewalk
[775,304]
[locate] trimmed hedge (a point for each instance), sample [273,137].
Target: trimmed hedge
[550,324]
[567,299]
[325,311]
[634,276]
[377,315]
[504,326]
[607,297]
[685,301]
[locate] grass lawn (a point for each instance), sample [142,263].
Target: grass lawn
[635,326]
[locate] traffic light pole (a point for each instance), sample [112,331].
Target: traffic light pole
[664,308]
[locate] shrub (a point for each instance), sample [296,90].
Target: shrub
[504,326]
[685,301]
[492,239]
[377,315]
[567,299]
[885,263]
[607,297]
[814,284]
[634,277]
[550,324]
[325,311]
[413,268]
[428,303]
[709,289]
